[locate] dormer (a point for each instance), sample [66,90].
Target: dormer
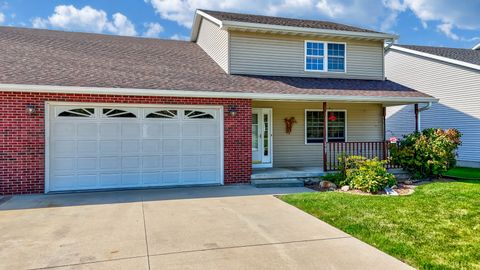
[273,46]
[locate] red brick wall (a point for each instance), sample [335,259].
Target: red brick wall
[22,142]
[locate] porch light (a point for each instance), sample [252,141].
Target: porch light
[232,110]
[30,108]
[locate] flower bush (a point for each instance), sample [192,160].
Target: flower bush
[427,154]
[369,175]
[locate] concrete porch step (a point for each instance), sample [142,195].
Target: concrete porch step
[286,173]
[269,183]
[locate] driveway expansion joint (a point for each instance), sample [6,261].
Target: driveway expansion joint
[85,263]
[252,245]
[145,233]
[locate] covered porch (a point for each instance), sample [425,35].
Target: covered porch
[288,136]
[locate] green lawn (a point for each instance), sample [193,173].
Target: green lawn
[463,172]
[437,227]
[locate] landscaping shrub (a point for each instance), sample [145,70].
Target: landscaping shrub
[427,154]
[369,175]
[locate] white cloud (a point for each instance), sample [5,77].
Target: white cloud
[396,5]
[446,28]
[363,12]
[330,9]
[449,14]
[121,25]
[153,30]
[39,23]
[389,22]
[86,19]
[179,37]
[446,14]
[2,17]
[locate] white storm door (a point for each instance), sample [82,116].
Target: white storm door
[262,137]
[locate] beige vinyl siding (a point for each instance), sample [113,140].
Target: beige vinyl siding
[364,123]
[281,55]
[458,89]
[214,41]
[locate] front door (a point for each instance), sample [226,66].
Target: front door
[262,137]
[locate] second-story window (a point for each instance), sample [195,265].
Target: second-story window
[324,56]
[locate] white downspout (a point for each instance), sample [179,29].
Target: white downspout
[426,107]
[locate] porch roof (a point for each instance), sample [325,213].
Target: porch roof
[51,61]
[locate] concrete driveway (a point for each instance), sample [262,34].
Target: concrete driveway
[233,227]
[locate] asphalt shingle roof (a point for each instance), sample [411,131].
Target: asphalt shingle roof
[465,55]
[46,57]
[249,18]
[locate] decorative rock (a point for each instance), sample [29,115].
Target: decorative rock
[408,182]
[345,188]
[390,191]
[327,185]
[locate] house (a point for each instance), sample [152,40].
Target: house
[88,111]
[450,74]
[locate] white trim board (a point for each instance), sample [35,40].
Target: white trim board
[235,25]
[209,94]
[303,30]
[436,57]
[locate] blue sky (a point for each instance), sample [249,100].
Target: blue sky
[423,22]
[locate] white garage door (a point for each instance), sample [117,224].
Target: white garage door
[97,147]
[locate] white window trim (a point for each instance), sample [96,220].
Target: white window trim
[325,57]
[320,110]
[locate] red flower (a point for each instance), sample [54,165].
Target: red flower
[332,117]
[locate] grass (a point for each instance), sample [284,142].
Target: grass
[464,172]
[437,227]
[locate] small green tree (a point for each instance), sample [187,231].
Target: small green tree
[427,154]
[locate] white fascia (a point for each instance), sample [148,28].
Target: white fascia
[284,29]
[196,23]
[209,94]
[436,57]
[304,30]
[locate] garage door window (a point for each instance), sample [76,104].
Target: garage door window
[80,112]
[166,114]
[191,114]
[117,113]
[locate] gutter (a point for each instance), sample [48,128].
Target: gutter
[424,108]
[208,94]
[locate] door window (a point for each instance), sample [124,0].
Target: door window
[255,129]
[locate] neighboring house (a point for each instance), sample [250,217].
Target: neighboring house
[87,111]
[450,74]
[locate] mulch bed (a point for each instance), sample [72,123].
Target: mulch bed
[402,189]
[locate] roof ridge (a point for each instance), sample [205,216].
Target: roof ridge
[428,46]
[269,16]
[60,31]
[207,11]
